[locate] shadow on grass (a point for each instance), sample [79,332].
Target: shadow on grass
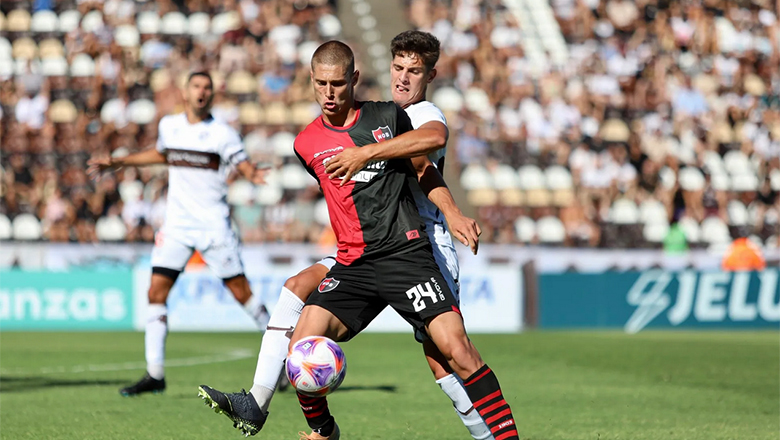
[385,388]
[29,383]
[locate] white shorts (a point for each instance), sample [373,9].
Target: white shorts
[328,261]
[445,255]
[219,248]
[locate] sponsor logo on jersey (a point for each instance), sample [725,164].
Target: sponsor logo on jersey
[327,285]
[193,159]
[411,235]
[382,133]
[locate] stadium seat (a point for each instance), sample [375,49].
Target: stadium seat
[277,113]
[654,233]
[198,23]
[715,231]
[241,83]
[112,110]
[614,130]
[110,228]
[250,113]
[18,20]
[174,23]
[720,181]
[50,48]
[69,20]
[130,190]
[448,99]
[254,143]
[558,177]
[511,197]
[268,195]
[652,210]
[531,177]
[6,49]
[92,21]
[148,23]
[713,162]
[744,182]
[475,177]
[282,143]
[550,230]
[482,197]
[668,177]
[691,230]
[321,213]
[2,22]
[771,242]
[141,111]
[691,179]
[44,21]
[27,228]
[505,177]
[82,66]
[295,177]
[774,179]
[624,212]
[477,100]
[738,213]
[63,111]
[304,112]
[525,229]
[24,49]
[6,230]
[240,192]
[329,26]
[736,162]
[127,36]
[224,22]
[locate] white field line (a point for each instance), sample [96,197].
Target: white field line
[230,356]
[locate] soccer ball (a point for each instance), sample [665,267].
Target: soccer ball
[316,366]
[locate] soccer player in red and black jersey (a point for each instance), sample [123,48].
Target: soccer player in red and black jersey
[383,257]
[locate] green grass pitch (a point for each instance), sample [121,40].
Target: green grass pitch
[567,386]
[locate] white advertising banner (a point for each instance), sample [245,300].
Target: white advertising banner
[491,300]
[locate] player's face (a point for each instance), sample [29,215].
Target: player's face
[199,93]
[409,79]
[333,88]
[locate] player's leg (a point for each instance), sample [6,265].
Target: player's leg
[447,260]
[453,387]
[284,319]
[238,285]
[448,333]
[169,256]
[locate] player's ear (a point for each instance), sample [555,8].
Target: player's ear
[432,75]
[355,77]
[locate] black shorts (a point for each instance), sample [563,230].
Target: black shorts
[410,283]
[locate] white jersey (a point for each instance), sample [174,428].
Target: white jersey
[443,250]
[199,158]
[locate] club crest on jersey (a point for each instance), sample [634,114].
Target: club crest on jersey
[382,133]
[327,285]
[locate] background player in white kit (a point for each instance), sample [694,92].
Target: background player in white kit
[415,54]
[200,152]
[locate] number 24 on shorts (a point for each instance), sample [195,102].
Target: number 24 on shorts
[418,292]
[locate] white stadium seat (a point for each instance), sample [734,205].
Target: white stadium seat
[505,177]
[269,194]
[652,210]
[525,228]
[27,227]
[691,179]
[295,177]
[475,177]
[714,231]
[531,177]
[82,66]
[141,111]
[550,230]
[558,177]
[148,23]
[691,229]
[198,23]
[6,230]
[174,23]
[736,162]
[240,192]
[321,213]
[92,21]
[130,190]
[44,21]
[624,212]
[738,213]
[127,36]
[282,143]
[69,20]
[655,232]
[110,228]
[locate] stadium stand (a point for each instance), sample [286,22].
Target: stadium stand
[580,123]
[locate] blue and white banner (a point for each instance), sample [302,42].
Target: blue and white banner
[491,300]
[660,299]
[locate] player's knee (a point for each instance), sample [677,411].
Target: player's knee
[157,295]
[239,287]
[463,355]
[299,287]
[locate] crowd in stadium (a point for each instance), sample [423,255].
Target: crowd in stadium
[655,121]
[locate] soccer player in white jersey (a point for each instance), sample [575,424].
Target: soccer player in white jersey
[414,58]
[200,152]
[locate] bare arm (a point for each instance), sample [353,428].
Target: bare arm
[463,228]
[430,137]
[251,172]
[146,157]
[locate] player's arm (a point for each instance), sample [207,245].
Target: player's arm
[98,165]
[464,229]
[428,138]
[251,172]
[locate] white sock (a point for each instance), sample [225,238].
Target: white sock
[273,350]
[255,308]
[156,332]
[453,388]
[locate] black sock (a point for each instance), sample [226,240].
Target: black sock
[485,392]
[317,414]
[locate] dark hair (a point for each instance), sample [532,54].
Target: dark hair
[202,73]
[418,43]
[334,53]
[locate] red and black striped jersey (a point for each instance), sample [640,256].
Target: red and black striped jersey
[374,214]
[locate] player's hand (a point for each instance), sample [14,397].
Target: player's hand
[97,166]
[345,164]
[466,230]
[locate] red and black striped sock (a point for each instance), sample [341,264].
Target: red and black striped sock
[484,390]
[317,414]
